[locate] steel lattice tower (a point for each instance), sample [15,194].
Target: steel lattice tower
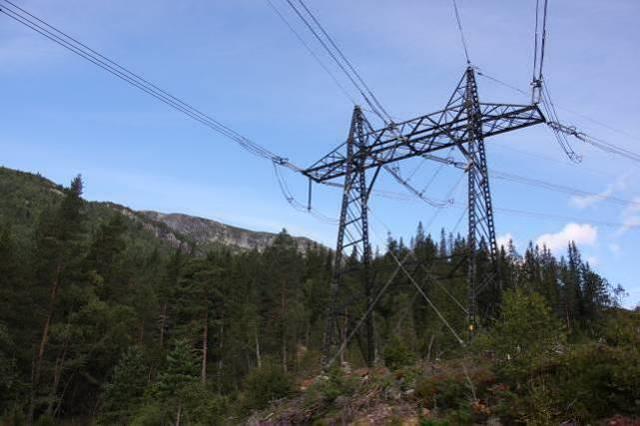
[463,123]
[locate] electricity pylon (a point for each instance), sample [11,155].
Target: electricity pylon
[464,123]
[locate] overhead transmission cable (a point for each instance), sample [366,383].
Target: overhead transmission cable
[561,188]
[540,42]
[461,31]
[70,43]
[539,92]
[554,123]
[312,52]
[596,142]
[293,202]
[326,41]
[347,61]
[319,32]
[316,28]
[541,215]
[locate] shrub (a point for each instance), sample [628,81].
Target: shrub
[397,354]
[443,392]
[202,406]
[327,389]
[527,334]
[151,414]
[597,381]
[266,384]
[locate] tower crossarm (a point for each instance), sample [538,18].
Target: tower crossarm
[427,134]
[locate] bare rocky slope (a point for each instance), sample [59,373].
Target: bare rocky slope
[206,232]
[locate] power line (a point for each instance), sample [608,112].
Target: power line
[535,42]
[61,38]
[346,60]
[540,42]
[542,215]
[560,188]
[601,124]
[311,52]
[293,202]
[561,138]
[557,217]
[326,41]
[560,107]
[500,82]
[461,30]
[555,124]
[597,142]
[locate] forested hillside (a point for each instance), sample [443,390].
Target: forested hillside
[104,322]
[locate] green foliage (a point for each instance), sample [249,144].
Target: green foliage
[203,406]
[397,354]
[124,394]
[45,421]
[123,322]
[180,371]
[328,388]
[527,333]
[150,414]
[444,393]
[597,381]
[265,384]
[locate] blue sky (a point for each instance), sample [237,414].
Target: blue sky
[238,62]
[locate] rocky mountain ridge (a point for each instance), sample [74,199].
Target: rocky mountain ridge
[24,196]
[205,232]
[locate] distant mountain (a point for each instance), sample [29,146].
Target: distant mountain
[205,232]
[24,196]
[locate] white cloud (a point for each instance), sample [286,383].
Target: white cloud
[631,216]
[584,201]
[503,240]
[581,234]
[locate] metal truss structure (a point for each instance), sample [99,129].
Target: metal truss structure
[464,123]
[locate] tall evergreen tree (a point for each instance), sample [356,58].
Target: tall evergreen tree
[58,253]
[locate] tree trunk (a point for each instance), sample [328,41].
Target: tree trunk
[178,414]
[283,305]
[258,357]
[205,347]
[163,321]
[141,334]
[37,366]
[57,374]
[220,356]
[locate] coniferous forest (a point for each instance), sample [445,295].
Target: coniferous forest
[103,323]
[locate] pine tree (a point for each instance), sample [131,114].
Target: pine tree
[58,253]
[198,298]
[124,393]
[180,371]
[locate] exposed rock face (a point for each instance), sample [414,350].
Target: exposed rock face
[24,196]
[206,232]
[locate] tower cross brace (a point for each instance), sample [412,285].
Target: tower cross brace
[464,123]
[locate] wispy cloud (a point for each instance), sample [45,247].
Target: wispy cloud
[630,216]
[584,201]
[581,234]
